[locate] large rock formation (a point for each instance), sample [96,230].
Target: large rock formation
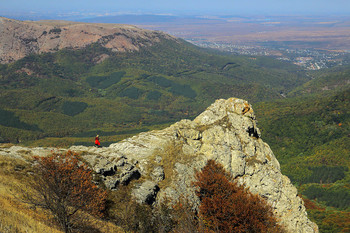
[166,160]
[21,38]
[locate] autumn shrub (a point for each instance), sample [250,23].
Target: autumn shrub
[127,213]
[63,186]
[167,215]
[185,217]
[226,206]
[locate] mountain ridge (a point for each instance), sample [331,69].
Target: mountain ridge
[21,38]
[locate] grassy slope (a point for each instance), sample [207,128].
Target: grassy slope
[17,216]
[65,94]
[310,137]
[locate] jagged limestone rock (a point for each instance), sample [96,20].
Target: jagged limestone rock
[129,175]
[225,132]
[112,182]
[146,192]
[158,174]
[105,167]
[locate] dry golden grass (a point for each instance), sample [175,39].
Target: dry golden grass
[171,155]
[6,145]
[17,216]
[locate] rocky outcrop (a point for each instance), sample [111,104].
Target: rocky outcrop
[167,160]
[146,192]
[21,38]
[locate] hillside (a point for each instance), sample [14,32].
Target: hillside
[23,38]
[324,82]
[83,91]
[310,137]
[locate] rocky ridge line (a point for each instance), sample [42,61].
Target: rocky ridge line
[167,160]
[21,38]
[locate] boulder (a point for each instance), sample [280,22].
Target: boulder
[146,192]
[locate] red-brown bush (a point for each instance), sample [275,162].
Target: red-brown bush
[228,207]
[63,185]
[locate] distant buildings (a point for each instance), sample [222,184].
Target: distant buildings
[308,58]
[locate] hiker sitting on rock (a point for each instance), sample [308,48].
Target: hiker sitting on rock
[97,141]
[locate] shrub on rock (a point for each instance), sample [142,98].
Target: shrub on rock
[226,206]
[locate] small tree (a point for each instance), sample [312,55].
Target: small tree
[63,186]
[227,207]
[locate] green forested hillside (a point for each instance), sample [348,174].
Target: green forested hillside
[68,93]
[325,82]
[310,135]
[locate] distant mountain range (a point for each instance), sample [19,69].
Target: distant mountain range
[21,38]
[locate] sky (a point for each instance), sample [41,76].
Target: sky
[212,7]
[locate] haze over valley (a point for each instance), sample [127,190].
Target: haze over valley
[311,41]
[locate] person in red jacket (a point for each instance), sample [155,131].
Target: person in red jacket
[97,141]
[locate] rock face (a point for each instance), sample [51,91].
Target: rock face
[21,38]
[167,160]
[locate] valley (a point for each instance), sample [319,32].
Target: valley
[159,83]
[298,32]
[66,95]
[311,42]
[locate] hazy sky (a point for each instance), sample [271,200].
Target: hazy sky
[184,6]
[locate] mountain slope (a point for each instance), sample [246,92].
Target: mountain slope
[85,90]
[325,82]
[22,38]
[310,137]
